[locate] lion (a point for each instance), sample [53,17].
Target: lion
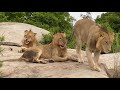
[56,51]
[29,40]
[95,37]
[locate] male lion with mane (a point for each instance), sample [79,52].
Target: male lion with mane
[95,37]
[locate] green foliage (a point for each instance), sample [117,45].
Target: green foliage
[111,21]
[71,42]
[51,21]
[47,38]
[116,44]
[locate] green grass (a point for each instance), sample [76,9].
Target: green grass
[2,38]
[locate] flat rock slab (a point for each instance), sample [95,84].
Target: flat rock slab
[51,70]
[68,69]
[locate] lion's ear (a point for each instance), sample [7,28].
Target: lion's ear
[35,33]
[26,31]
[102,34]
[30,30]
[64,34]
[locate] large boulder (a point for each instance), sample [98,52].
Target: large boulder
[14,31]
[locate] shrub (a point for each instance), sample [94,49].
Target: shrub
[116,44]
[47,38]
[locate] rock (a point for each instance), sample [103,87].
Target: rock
[14,31]
[68,69]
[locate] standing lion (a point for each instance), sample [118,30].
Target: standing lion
[95,37]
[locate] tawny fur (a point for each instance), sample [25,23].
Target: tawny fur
[29,40]
[55,51]
[95,37]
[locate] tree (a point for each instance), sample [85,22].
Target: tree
[110,20]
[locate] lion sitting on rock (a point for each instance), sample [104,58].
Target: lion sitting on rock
[95,37]
[55,51]
[29,40]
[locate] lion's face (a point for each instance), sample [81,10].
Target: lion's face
[105,42]
[59,40]
[29,37]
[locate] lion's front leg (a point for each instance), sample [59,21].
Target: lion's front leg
[96,57]
[91,61]
[22,49]
[72,58]
[59,59]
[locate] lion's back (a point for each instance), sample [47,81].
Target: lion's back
[82,28]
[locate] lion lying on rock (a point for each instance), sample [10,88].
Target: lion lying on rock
[55,51]
[95,37]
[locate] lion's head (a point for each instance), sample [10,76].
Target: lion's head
[105,41]
[29,37]
[59,39]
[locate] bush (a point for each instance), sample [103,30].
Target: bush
[116,44]
[47,38]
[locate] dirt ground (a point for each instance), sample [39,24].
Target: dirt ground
[14,32]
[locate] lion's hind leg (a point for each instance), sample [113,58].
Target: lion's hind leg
[78,50]
[36,57]
[96,58]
